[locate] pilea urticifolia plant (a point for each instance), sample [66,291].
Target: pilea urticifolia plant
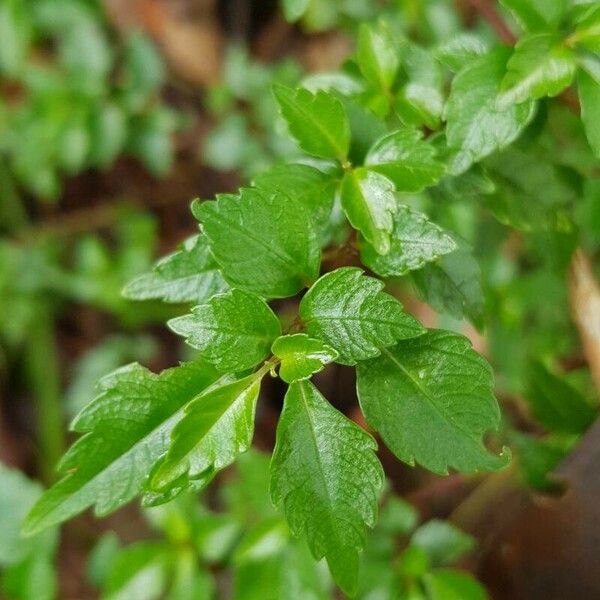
[399,129]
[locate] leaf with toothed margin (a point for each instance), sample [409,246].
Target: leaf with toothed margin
[476,125]
[264,241]
[541,65]
[350,312]
[188,275]
[452,284]
[216,428]
[317,121]
[415,241]
[326,476]
[312,188]
[127,429]
[406,159]
[431,399]
[233,331]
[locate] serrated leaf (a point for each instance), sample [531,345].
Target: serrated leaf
[233,331]
[263,241]
[415,241]
[540,66]
[301,356]
[326,476]
[589,97]
[318,121]
[188,275]
[434,387]
[460,50]
[449,584]
[377,55]
[350,312]
[405,159]
[312,188]
[127,428]
[476,125]
[369,203]
[537,15]
[216,428]
[559,406]
[453,285]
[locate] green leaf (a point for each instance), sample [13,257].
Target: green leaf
[216,428]
[442,542]
[108,131]
[263,241]
[450,584]
[318,121]
[415,241]
[420,101]
[138,571]
[269,571]
[312,188]
[31,579]
[234,331]
[326,476]
[559,406]
[294,9]
[589,96]
[476,125]
[460,50]
[377,55]
[301,356]
[365,128]
[537,15]
[127,428]
[537,458]
[369,203]
[15,37]
[453,285]
[587,32]
[540,66]
[406,159]
[17,496]
[188,275]
[398,517]
[434,387]
[349,311]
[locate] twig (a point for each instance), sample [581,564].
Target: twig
[488,11]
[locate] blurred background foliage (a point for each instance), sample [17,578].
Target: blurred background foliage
[113,116]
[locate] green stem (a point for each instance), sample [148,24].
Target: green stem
[12,213]
[43,374]
[41,360]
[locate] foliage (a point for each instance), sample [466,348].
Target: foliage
[441,166]
[251,541]
[245,137]
[26,565]
[82,103]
